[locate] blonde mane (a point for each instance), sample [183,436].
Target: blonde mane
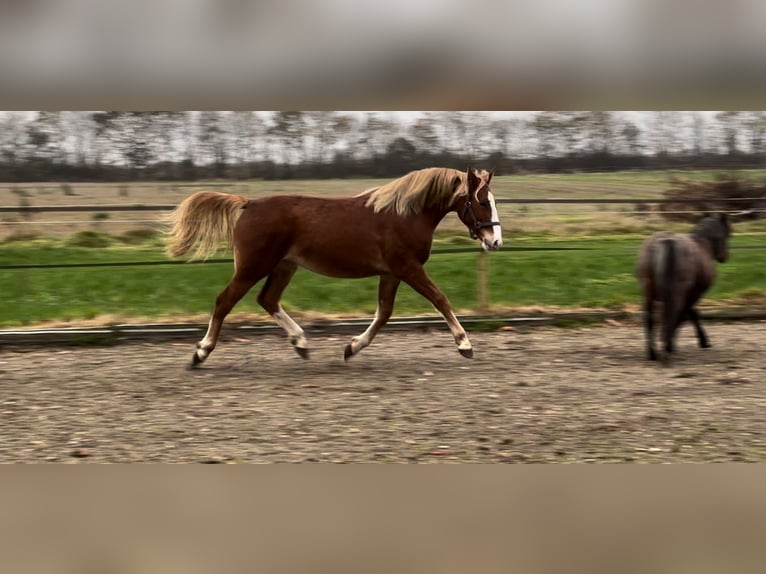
[433,187]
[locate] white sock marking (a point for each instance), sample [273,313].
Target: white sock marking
[294,331]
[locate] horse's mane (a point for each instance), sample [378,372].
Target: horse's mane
[433,187]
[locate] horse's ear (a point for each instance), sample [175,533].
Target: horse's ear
[472,180]
[490,174]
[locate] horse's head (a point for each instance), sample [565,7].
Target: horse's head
[478,212]
[715,229]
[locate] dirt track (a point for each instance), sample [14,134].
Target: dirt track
[539,395]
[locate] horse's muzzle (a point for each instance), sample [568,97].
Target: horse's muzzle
[491,244]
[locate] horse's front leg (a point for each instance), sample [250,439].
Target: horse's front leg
[269,297]
[387,288]
[418,279]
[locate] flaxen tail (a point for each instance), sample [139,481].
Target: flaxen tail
[665,278]
[203,220]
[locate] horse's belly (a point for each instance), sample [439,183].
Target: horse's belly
[334,266]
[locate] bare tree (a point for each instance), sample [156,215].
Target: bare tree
[598,131]
[730,124]
[211,141]
[424,134]
[288,131]
[12,137]
[373,136]
[666,134]
[45,138]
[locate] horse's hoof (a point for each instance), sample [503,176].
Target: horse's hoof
[348,352]
[705,345]
[303,352]
[194,362]
[467,353]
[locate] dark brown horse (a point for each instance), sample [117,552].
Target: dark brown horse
[385,231]
[676,270]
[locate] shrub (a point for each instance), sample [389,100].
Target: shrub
[22,236]
[89,238]
[711,196]
[141,235]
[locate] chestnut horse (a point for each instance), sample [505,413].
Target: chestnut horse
[385,231]
[676,270]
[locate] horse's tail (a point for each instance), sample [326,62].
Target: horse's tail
[665,279]
[203,220]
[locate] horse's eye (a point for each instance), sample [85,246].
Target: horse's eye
[484,203]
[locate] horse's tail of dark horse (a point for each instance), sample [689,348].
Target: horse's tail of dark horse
[665,278]
[203,220]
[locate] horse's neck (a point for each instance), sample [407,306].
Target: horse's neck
[433,217]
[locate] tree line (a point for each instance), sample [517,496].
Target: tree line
[123,145]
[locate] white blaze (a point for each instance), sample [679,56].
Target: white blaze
[497,234]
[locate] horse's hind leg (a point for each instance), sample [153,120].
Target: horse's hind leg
[694,317]
[386,294]
[224,303]
[672,316]
[649,327]
[269,297]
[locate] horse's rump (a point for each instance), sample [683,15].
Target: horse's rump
[668,259]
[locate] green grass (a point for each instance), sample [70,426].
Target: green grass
[600,277]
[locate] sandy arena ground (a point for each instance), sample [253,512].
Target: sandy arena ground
[534,395]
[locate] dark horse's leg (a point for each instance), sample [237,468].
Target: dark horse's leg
[269,297]
[672,317]
[694,317]
[386,294]
[224,303]
[418,279]
[649,327]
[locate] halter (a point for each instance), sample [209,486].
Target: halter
[467,208]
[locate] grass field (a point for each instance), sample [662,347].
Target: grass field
[599,277]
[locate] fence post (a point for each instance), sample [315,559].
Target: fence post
[482,283]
